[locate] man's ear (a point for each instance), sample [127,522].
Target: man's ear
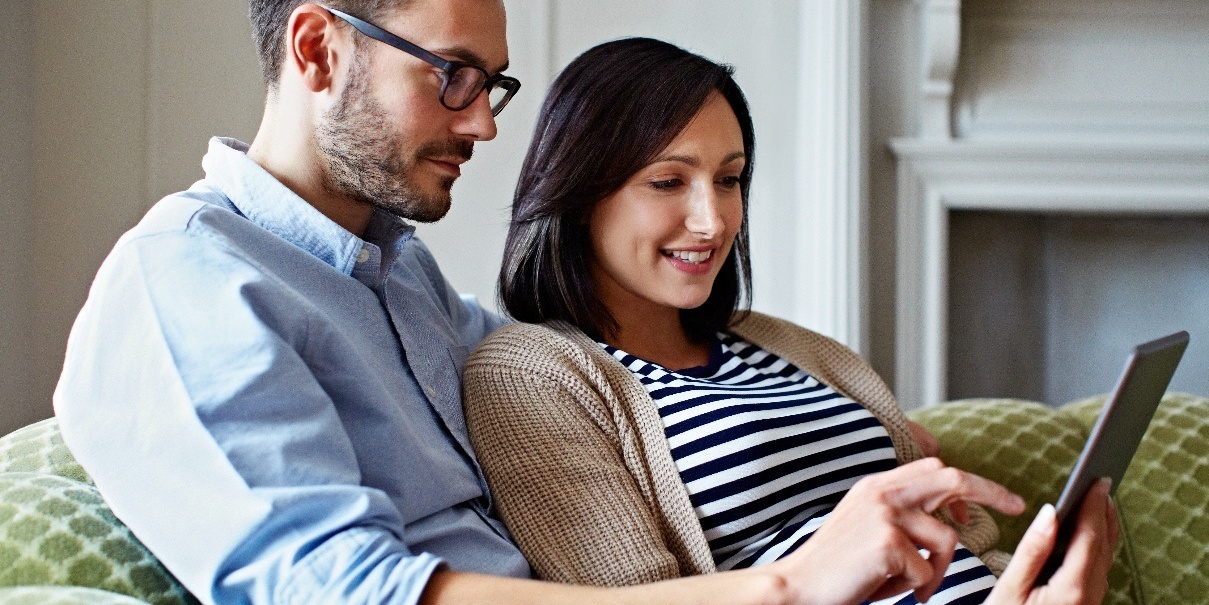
[315,46]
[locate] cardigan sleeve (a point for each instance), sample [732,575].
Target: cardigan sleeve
[554,464]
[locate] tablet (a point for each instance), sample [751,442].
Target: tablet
[1118,431]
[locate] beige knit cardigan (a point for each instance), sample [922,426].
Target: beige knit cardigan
[577,462]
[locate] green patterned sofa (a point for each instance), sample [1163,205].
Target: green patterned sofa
[60,545]
[1163,500]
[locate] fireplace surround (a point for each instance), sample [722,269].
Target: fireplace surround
[1052,133]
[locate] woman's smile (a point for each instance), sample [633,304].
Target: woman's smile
[696,262]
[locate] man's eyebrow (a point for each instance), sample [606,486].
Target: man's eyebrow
[465,55]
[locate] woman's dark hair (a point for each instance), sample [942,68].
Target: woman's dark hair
[609,114]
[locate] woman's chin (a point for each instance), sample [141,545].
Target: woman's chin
[690,304]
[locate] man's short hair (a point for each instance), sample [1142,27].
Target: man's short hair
[270,18]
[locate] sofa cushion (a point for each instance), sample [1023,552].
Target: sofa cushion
[1030,448]
[38,448]
[1027,446]
[1164,498]
[55,531]
[63,595]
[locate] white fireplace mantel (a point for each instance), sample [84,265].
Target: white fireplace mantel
[936,178]
[1040,106]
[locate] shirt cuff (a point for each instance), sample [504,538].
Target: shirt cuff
[360,566]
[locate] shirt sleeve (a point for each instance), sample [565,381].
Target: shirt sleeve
[186,395]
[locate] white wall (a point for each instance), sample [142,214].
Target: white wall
[117,102]
[893,81]
[16,200]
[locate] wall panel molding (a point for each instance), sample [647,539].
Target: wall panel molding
[941,43]
[1084,72]
[832,247]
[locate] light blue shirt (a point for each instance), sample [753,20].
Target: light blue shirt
[273,405]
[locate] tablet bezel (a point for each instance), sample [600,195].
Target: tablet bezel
[1118,431]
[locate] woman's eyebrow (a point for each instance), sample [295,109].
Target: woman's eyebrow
[695,161]
[738,155]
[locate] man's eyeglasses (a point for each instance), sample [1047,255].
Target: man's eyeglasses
[461,82]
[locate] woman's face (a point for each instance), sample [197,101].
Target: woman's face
[659,241]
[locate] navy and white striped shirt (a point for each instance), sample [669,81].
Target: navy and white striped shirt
[767,451]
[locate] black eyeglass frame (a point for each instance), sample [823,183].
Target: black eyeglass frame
[448,68]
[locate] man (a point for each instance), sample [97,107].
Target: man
[264,382]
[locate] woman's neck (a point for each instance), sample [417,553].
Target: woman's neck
[658,337]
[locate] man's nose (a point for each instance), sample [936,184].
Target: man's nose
[476,120]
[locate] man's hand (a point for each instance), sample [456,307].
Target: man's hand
[869,546]
[1083,576]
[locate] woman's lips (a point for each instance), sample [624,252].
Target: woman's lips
[695,262]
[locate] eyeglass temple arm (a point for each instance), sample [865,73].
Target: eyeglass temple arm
[382,35]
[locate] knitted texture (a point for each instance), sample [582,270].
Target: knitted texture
[552,444]
[575,454]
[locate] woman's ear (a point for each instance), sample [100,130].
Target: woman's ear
[315,46]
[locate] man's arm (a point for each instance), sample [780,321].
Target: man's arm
[237,472]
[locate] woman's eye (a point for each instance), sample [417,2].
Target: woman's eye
[729,181]
[665,183]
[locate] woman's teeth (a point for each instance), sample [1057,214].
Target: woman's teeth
[690,257]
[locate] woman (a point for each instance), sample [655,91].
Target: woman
[641,425]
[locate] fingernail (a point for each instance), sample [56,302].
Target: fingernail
[1044,521]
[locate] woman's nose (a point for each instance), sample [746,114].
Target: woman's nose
[704,215]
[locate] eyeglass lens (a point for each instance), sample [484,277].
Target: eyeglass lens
[498,97]
[466,82]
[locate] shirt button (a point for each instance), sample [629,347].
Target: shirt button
[364,256]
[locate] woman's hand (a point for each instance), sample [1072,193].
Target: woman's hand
[1083,576]
[869,546]
[930,446]
[927,442]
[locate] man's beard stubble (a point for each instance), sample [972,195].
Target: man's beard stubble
[366,163]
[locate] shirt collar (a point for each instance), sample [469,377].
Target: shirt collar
[268,203]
